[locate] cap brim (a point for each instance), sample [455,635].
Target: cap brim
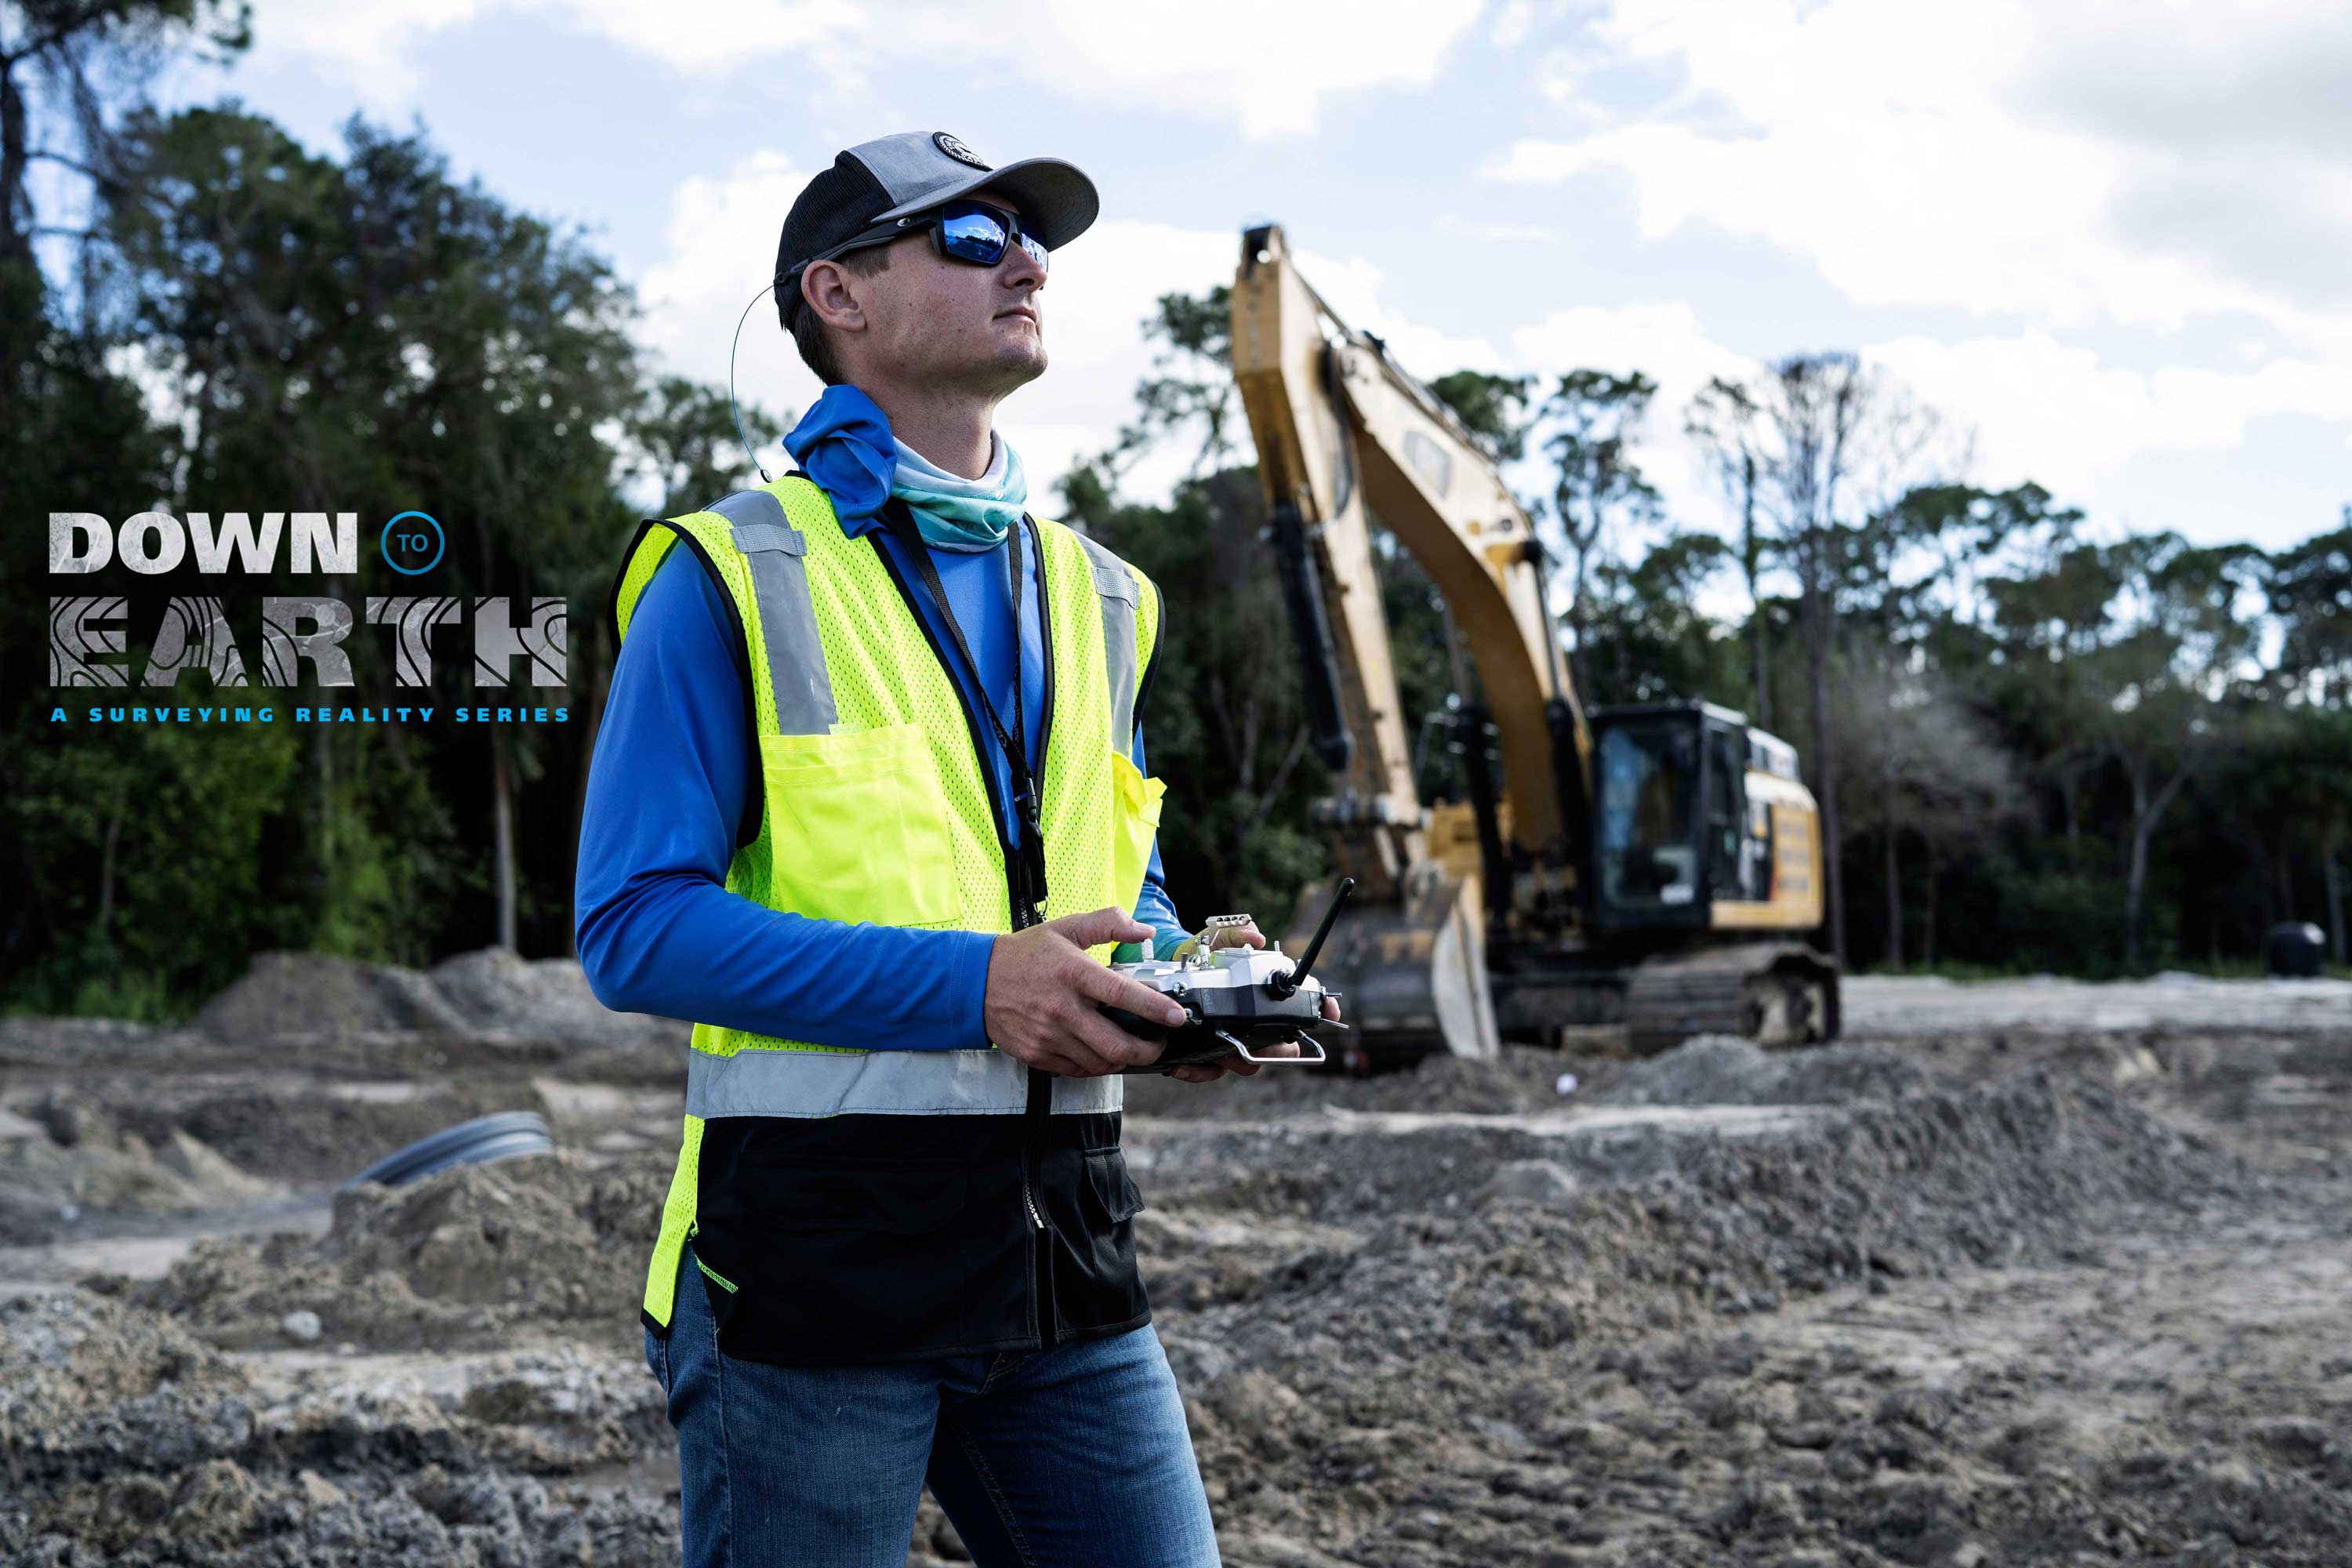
[1057,202]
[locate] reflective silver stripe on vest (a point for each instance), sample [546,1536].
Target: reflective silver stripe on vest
[1117,587]
[787,619]
[757,1082]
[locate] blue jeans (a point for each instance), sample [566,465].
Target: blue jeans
[1076,1456]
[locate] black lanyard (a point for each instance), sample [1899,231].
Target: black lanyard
[901,522]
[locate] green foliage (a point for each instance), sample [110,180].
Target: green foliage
[1225,720]
[1495,408]
[146,846]
[361,332]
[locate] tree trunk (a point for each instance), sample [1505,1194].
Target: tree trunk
[2332,889]
[502,814]
[2146,812]
[106,869]
[1817,660]
[1751,560]
[1927,913]
[20,273]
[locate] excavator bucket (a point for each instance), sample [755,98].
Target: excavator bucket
[1411,976]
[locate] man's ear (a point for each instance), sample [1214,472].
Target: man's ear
[825,289]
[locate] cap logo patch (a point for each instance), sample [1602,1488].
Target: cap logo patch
[956,150]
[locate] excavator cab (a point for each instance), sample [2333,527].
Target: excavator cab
[1673,832]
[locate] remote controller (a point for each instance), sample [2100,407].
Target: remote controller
[1236,1000]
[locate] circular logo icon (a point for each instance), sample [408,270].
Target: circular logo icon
[410,548]
[956,150]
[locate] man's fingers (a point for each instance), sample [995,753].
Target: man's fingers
[1331,1008]
[1094,927]
[1099,983]
[1098,1036]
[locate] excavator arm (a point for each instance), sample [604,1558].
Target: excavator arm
[1340,427]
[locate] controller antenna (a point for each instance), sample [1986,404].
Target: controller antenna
[1281,985]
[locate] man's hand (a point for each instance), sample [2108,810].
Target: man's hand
[1208,1072]
[1042,988]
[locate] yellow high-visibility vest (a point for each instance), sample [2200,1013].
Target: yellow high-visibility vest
[874,801]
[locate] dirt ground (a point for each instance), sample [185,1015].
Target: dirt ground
[2028,1273]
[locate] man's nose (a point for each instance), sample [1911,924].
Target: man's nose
[1020,268]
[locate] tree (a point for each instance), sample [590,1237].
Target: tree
[2177,641]
[1835,440]
[1650,641]
[1597,489]
[1190,384]
[344,332]
[1722,420]
[2309,589]
[1919,763]
[1492,407]
[68,68]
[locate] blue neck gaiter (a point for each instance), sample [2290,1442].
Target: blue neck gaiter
[844,443]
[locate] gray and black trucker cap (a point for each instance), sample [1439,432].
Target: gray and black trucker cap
[909,172]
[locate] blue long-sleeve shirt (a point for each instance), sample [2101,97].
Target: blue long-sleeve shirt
[657,930]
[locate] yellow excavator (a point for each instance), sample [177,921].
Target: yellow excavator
[1654,868]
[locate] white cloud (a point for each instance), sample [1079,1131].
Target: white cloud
[2147,208]
[2053,413]
[2041,407]
[1269,69]
[1499,233]
[2000,159]
[1513,19]
[722,247]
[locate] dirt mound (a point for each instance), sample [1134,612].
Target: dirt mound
[64,1156]
[1719,1069]
[465,1258]
[494,989]
[120,1430]
[492,997]
[1399,1358]
[304,994]
[1698,1218]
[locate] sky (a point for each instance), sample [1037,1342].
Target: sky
[2108,242]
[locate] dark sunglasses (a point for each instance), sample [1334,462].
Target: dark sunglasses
[964,231]
[960,230]
[978,233]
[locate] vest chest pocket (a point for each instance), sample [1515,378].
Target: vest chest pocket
[858,829]
[1135,820]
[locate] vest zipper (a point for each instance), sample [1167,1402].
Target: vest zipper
[1022,913]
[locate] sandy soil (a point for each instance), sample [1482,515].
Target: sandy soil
[2029,1273]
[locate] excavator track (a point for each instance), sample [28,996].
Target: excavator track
[1775,992]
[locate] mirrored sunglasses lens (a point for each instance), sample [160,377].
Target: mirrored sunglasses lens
[972,236]
[1036,249]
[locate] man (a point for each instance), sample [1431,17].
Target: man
[869,804]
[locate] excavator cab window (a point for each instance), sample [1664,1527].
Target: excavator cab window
[1649,818]
[1730,867]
